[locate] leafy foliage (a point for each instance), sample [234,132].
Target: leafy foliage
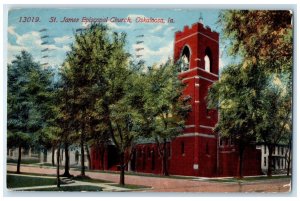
[28,98]
[165,108]
[263,37]
[94,72]
[28,92]
[254,97]
[234,96]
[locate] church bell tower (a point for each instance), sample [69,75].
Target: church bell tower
[196,48]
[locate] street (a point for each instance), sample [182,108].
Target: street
[162,184]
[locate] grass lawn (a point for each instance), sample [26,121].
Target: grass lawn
[70,188]
[77,178]
[248,179]
[223,180]
[18,181]
[130,186]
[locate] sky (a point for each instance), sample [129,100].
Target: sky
[158,39]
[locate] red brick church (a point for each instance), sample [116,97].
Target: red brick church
[198,151]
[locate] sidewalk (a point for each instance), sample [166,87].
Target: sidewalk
[163,184]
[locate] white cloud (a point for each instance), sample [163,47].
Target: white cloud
[85,24]
[114,25]
[29,39]
[126,25]
[11,30]
[170,30]
[66,48]
[156,29]
[32,42]
[134,16]
[14,50]
[63,39]
[221,63]
[134,25]
[158,41]
[156,56]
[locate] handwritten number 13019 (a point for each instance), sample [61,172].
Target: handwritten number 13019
[29,19]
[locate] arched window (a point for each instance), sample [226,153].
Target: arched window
[207,63]
[185,59]
[208,60]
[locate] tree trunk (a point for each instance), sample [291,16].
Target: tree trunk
[289,157]
[44,155]
[241,158]
[57,166]
[67,161]
[165,159]
[19,159]
[88,156]
[269,173]
[289,164]
[82,156]
[122,169]
[53,152]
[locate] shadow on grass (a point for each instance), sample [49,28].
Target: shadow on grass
[18,181]
[88,179]
[71,189]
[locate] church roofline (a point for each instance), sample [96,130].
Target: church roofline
[197,27]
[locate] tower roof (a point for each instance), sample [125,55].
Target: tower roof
[196,28]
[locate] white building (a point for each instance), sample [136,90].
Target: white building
[13,153]
[279,157]
[74,157]
[45,157]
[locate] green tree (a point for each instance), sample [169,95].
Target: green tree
[28,95]
[165,108]
[275,115]
[263,42]
[46,138]
[90,68]
[261,37]
[236,99]
[65,121]
[81,70]
[118,108]
[60,130]
[124,128]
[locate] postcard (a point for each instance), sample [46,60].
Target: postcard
[149,100]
